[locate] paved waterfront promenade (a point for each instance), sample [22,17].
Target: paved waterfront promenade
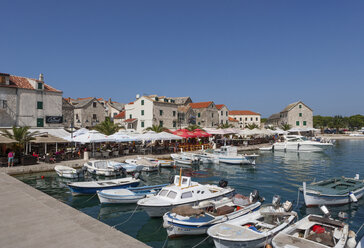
[32,219]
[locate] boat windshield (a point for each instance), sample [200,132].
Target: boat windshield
[163,192]
[172,194]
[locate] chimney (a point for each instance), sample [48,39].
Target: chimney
[137,96]
[41,77]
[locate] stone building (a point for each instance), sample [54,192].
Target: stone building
[186,116]
[113,108]
[206,114]
[234,123]
[296,114]
[223,114]
[147,111]
[88,112]
[120,118]
[184,100]
[29,102]
[245,117]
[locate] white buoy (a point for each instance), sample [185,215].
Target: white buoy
[352,197]
[356,177]
[325,210]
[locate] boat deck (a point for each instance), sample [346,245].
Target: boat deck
[336,186]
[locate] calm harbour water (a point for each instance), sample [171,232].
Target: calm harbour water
[274,173]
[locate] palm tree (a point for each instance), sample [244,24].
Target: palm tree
[285,126]
[226,125]
[193,127]
[22,135]
[156,128]
[107,127]
[252,126]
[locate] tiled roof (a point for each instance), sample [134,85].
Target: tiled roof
[183,109]
[274,116]
[219,106]
[181,100]
[197,105]
[130,120]
[121,115]
[25,83]
[292,105]
[242,112]
[232,119]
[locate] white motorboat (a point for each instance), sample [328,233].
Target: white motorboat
[183,191]
[160,162]
[335,191]
[298,143]
[255,229]
[185,158]
[315,231]
[68,172]
[127,195]
[131,168]
[103,167]
[229,155]
[188,220]
[148,166]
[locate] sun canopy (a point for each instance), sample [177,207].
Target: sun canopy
[152,136]
[48,139]
[122,137]
[184,133]
[92,136]
[6,140]
[301,129]
[201,133]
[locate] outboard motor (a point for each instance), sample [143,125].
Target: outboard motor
[254,196]
[123,171]
[223,183]
[80,172]
[276,201]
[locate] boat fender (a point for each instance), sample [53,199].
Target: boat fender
[166,224]
[223,183]
[351,243]
[268,246]
[352,197]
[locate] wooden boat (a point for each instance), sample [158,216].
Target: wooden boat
[255,229]
[334,191]
[79,188]
[182,192]
[188,220]
[127,195]
[68,172]
[315,231]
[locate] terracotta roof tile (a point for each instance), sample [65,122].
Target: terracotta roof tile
[130,120]
[24,83]
[219,106]
[121,115]
[232,119]
[197,105]
[242,112]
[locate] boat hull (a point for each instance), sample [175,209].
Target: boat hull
[70,175]
[106,173]
[104,199]
[76,190]
[300,147]
[220,243]
[313,199]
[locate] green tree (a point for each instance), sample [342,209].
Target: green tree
[356,121]
[226,125]
[252,126]
[107,127]
[22,135]
[338,122]
[263,120]
[285,126]
[156,128]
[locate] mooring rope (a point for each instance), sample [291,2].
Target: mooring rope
[360,229]
[89,199]
[298,198]
[165,242]
[127,219]
[201,242]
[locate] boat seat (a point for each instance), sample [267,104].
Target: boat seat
[285,240]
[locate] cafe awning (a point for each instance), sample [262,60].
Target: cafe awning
[48,139]
[6,140]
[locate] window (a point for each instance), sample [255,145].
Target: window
[227,121]
[163,192]
[251,118]
[172,194]
[226,113]
[222,113]
[142,112]
[300,106]
[161,123]
[5,104]
[142,124]
[94,104]
[161,112]
[174,123]
[222,122]
[297,123]
[256,118]
[212,115]
[39,105]
[76,116]
[241,119]
[130,116]
[304,123]
[300,114]
[186,195]
[94,116]
[174,113]
[246,118]
[142,102]
[40,122]
[199,115]
[199,123]
[40,86]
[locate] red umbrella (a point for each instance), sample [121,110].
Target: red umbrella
[201,133]
[184,133]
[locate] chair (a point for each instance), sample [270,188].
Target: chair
[115,153]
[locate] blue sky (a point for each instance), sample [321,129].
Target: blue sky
[250,55]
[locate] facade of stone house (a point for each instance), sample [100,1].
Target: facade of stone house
[113,108]
[120,118]
[88,112]
[223,114]
[147,111]
[186,116]
[68,113]
[185,100]
[245,117]
[206,114]
[234,123]
[29,102]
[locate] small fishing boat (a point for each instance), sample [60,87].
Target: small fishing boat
[90,187]
[68,172]
[185,158]
[315,231]
[131,168]
[229,155]
[161,163]
[255,229]
[335,191]
[103,167]
[183,191]
[127,195]
[188,220]
[148,166]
